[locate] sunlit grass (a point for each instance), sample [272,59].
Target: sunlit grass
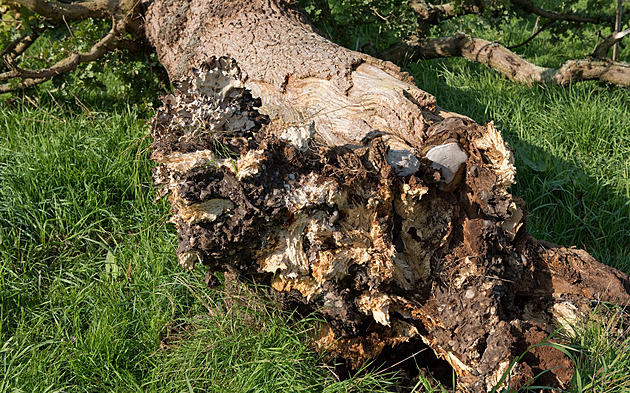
[91,296]
[601,350]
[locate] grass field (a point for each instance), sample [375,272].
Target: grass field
[92,298]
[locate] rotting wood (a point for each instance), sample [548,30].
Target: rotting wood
[329,175]
[440,252]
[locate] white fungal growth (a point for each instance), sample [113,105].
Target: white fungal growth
[208,102]
[219,83]
[299,136]
[448,158]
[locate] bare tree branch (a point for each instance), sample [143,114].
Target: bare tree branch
[529,6]
[432,12]
[534,35]
[510,64]
[601,50]
[20,45]
[57,11]
[429,14]
[70,63]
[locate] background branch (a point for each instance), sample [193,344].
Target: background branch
[430,13]
[56,11]
[529,6]
[508,63]
[70,63]
[601,50]
[19,45]
[618,18]
[534,35]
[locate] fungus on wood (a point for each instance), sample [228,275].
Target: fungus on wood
[329,175]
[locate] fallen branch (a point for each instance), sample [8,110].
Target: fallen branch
[430,13]
[33,77]
[351,193]
[56,11]
[529,6]
[19,45]
[510,64]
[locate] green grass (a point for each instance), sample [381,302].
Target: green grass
[92,298]
[601,344]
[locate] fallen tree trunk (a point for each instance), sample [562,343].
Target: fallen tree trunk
[330,175]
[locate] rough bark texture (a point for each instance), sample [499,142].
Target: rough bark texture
[330,175]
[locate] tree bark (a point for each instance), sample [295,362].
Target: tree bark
[330,175]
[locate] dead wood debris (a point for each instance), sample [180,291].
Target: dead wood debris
[441,254]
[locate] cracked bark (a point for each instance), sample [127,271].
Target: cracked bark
[331,176]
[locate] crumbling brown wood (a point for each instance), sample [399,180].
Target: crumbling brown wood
[352,193]
[329,175]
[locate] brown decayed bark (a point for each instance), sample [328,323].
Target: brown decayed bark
[346,189]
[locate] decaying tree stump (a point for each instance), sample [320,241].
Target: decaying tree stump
[329,174]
